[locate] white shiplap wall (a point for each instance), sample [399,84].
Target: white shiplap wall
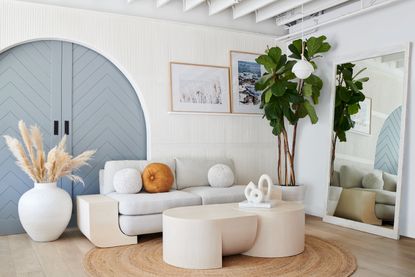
[142,48]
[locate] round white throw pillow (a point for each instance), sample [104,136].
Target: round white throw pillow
[220,176]
[127,180]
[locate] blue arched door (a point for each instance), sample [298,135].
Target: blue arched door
[46,81]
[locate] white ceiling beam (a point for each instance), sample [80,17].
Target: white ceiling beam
[191,4]
[247,6]
[160,3]
[277,8]
[216,6]
[309,9]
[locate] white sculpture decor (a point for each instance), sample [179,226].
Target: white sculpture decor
[257,196]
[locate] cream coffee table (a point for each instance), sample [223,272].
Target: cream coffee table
[197,237]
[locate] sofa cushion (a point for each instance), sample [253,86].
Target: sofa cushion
[385,197]
[111,167]
[382,196]
[390,181]
[351,177]
[221,176]
[134,225]
[127,180]
[194,172]
[385,212]
[373,181]
[144,203]
[212,195]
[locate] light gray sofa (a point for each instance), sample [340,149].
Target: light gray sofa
[350,198]
[141,213]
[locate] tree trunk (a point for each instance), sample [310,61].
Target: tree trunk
[333,154]
[279,160]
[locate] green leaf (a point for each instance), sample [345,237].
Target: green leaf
[301,111]
[295,48]
[308,90]
[313,44]
[263,82]
[277,128]
[325,47]
[268,95]
[275,54]
[363,80]
[352,85]
[359,72]
[311,112]
[294,97]
[344,94]
[315,81]
[267,62]
[353,109]
[278,89]
[272,111]
[289,114]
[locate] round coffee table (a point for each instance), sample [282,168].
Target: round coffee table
[197,237]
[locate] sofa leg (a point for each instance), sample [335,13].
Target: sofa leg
[97,218]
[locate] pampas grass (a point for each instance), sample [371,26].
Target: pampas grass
[42,168]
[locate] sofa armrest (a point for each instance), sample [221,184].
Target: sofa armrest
[333,199]
[358,205]
[97,218]
[101,180]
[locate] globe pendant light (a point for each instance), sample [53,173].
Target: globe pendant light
[303,68]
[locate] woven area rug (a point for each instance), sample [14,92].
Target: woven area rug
[320,258]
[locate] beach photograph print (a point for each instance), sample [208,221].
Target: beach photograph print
[245,72]
[199,88]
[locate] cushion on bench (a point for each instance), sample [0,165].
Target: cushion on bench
[111,167]
[144,203]
[192,172]
[212,195]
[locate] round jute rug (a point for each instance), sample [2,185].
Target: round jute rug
[320,258]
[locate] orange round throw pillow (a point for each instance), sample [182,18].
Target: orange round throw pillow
[157,177]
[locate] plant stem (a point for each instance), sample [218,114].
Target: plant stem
[279,160]
[333,154]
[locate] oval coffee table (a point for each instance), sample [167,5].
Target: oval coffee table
[197,237]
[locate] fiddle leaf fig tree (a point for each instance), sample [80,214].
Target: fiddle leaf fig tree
[347,102]
[286,99]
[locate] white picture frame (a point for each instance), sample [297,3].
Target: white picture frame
[363,119]
[199,88]
[244,73]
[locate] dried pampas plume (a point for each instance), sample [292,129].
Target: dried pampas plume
[40,167]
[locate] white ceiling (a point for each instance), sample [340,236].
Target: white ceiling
[279,18]
[173,10]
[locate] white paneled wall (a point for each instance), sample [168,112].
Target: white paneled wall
[143,48]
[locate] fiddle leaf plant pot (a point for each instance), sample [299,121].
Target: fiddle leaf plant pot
[293,193]
[46,209]
[289,94]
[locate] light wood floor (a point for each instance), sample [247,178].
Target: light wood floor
[376,256]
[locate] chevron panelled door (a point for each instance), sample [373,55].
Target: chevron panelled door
[106,115]
[29,90]
[387,147]
[46,81]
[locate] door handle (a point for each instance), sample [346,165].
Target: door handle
[56,127]
[66,127]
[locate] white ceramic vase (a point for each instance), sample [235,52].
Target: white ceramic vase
[45,211]
[293,193]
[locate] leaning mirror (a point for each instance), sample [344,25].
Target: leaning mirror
[367,135]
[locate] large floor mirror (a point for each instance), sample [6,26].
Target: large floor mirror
[367,135]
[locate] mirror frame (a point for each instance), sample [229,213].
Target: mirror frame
[377,230]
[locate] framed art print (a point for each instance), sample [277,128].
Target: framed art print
[363,118]
[245,72]
[199,88]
